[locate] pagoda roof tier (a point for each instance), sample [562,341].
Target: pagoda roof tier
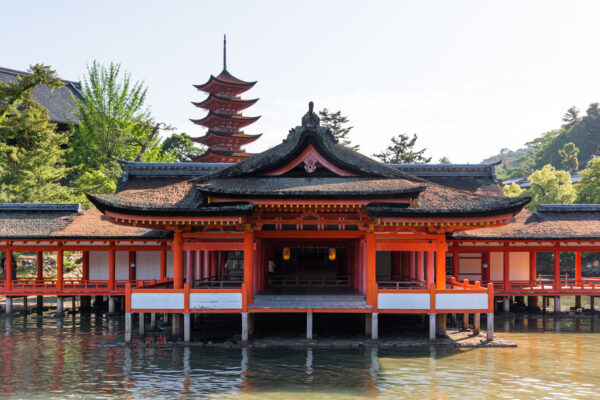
[225,83]
[216,121]
[310,164]
[215,102]
[222,156]
[227,139]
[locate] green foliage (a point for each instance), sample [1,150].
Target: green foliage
[401,151]
[181,147]
[32,163]
[337,123]
[589,186]
[513,190]
[113,123]
[445,160]
[569,157]
[547,186]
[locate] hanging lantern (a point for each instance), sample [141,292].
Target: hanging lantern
[286,253]
[332,253]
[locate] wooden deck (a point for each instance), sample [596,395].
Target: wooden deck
[309,301]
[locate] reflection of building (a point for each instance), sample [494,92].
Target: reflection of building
[346,233]
[59,102]
[224,121]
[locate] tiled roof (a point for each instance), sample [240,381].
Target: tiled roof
[58,102]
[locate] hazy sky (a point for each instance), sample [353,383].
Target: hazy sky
[469,77]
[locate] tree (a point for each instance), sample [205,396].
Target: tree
[401,151]
[113,123]
[589,186]
[32,163]
[445,160]
[571,116]
[181,147]
[569,157]
[547,186]
[337,123]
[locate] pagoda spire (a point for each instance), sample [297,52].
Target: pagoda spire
[224,121]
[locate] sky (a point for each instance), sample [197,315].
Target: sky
[468,77]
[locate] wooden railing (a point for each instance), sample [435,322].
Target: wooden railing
[402,284]
[68,284]
[217,284]
[342,281]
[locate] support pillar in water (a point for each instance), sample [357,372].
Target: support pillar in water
[39,307]
[176,324]
[476,322]
[59,305]
[25,304]
[577,301]
[128,327]
[592,303]
[368,324]
[506,304]
[375,326]
[9,305]
[466,321]
[141,325]
[490,326]
[85,302]
[186,327]
[251,324]
[532,301]
[440,326]
[556,304]
[111,305]
[152,320]
[244,327]
[432,326]
[74,304]
[309,326]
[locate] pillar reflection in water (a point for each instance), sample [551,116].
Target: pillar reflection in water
[7,326]
[309,365]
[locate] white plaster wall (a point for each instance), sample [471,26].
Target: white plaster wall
[147,264]
[169,264]
[98,265]
[461,301]
[496,266]
[518,265]
[383,261]
[469,266]
[215,300]
[157,301]
[403,301]
[121,265]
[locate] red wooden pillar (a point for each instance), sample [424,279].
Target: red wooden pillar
[111,268]
[413,265]
[455,261]
[214,260]
[405,265]
[163,265]
[485,272]
[40,265]
[506,270]
[85,266]
[198,265]
[557,284]
[8,264]
[578,281]
[440,264]
[248,267]
[189,267]
[430,269]
[178,260]
[60,279]
[206,265]
[532,267]
[371,271]
[132,262]
[420,266]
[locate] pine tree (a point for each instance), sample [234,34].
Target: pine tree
[401,151]
[181,147]
[32,163]
[569,157]
[337,123]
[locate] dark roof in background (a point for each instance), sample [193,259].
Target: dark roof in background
[58,102]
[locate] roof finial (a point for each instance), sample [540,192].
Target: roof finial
[225,52]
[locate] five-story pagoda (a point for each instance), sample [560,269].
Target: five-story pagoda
[225,139]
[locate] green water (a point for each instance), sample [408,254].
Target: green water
[42,357]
